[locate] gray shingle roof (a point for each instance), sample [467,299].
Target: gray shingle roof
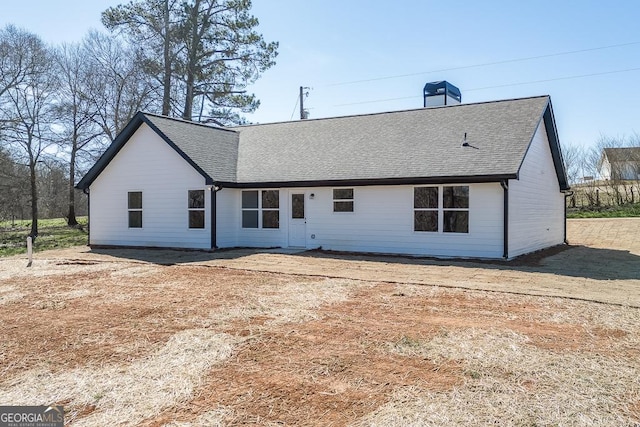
[215,150]
[624,154]
[405,144]
[416,145]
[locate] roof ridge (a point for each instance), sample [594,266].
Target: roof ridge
[188,122]
[391,112]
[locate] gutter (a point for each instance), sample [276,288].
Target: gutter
[468,179]
[567,194]
[214,226]
[86,191]
[505,243]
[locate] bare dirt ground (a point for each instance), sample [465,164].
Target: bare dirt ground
[169,338]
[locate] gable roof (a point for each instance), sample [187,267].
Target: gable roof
[412,146]
[209,150]
[625,154]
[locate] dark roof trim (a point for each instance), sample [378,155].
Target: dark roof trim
[122,138]
[556,151]
[370,182]
[208,179]
[554,145]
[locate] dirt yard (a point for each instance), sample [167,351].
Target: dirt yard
[170,338]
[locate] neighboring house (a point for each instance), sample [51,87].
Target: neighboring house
[470,180]
[620,163]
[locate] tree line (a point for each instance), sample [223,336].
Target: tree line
[61,106]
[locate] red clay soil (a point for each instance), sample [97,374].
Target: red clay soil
[115,322]
[334,370]
[329,371]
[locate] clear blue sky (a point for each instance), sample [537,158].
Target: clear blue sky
[323,43]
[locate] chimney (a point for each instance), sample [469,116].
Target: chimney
[437,94]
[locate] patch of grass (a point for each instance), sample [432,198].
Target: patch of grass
[52,234]
[630,210]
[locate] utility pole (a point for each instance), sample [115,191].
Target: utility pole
[303,113]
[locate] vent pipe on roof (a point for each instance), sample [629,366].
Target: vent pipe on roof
[437,94]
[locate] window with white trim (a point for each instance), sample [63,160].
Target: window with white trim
[455,209]
[196,208]
[343,199]
[425,208]
[441,208]
[134,209]
[261,209]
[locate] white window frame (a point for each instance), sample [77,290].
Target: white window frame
[441,209]
[252,209]
[260,209]
[467,209]
[352,200]
[436,209]
[140,209]
[202,209]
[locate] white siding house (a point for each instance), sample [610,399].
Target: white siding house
[620,164]
[141,166]
[472,180]
[536,205]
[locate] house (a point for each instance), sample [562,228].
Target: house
[479,180]
[620,164]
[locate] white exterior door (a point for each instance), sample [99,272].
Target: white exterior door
[297,220]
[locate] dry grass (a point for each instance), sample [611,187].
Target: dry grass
[279,303]
[514,379]
[510,382]
[213,418]
[9,294]
[129,393]
[121,341]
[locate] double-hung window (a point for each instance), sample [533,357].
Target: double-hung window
[441,208]
[134,208]
[261,209]
[196,208]
[343,199]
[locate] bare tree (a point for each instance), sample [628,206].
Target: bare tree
[573,156]
[13,178]
[76,114]
[17,63]
[116,88]
[605,150]
[52,180]
[25,110]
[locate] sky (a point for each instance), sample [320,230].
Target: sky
[368,56]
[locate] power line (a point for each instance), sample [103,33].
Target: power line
[557,79]
[295,107]
[500,86]
[506,61]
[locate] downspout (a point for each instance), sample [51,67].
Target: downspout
[214,225]
[567,194]
[505,187]
[86,191]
